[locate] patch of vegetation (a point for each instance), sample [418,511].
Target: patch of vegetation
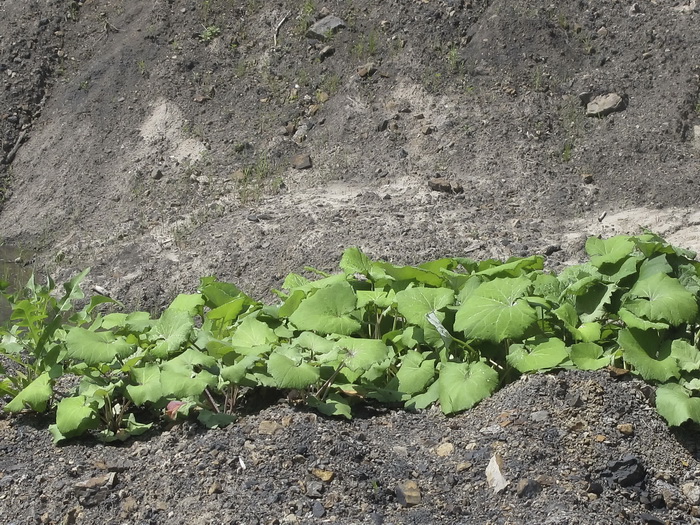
[567,151]
[209,33]
[367,47]
[306,17]
[259,179]
[450,331]
[454,61]
[331,83]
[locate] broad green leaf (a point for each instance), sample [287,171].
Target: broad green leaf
[463,385]
[591,305]
[416,372]
[173,329]
[610,250]
[693,384]
[514,267]
[74,417]
[547,286]
[456,281]
[590,332]
[415,303]
[192,358]
[354,262]
[379,298]
[566,313]
[649,355]
[469,287]
[134,428]
[424,400]
[617,272]
[315,343]
[130,427]
[326,282]
[252,332]
[94,348]
[496,310]
[213,420]
[385,272]
[658,264]
[294,281]
[361,354]
[689,277]
[134,322]
[332,405]
[662,298]
[180,378]
[291,303]
[589,356]
[147,387]
[289,373]
[236,373]
[542,356]
[632,321]
[436,326]
[35,395]
[217,293]
[190,303]
[676,405]
[216,348]
[437,266]
[651,244]
[687,355]
[228,312]
[97,300]
[328,311]
[72,290]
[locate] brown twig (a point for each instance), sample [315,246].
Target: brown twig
[11,155]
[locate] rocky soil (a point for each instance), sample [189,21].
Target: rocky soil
[157,142]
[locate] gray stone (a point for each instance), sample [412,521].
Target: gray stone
[540,416]
[604,105]
[444,185]
[692,493]
[527,488]
[314,489]
[408,493]
[301,162]
[318,510]
[326,26]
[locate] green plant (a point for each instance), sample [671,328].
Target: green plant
[258,179]
[364,49]
[34,342]
[566,151]
[454,62]
[141,66]
[209,33]
[331,83]
[306,17]
[538,79]
[448,331]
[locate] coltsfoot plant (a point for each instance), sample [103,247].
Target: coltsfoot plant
[449,331]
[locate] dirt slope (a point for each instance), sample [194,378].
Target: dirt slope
[157,142]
